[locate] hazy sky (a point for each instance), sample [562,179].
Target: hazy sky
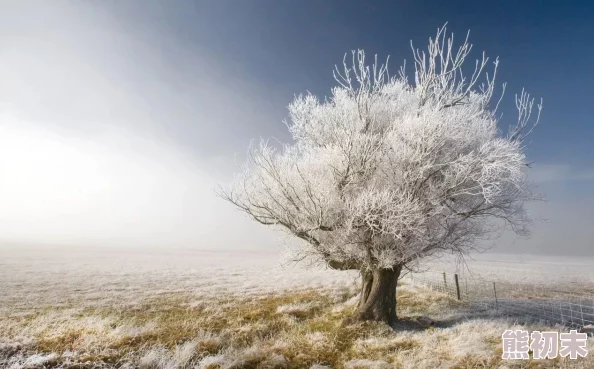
[118,118]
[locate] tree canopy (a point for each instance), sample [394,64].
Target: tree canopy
[390,169]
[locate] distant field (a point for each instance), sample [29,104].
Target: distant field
[521,268]
[197,309]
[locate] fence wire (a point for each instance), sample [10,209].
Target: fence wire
[569,306]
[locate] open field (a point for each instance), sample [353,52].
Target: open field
[528,269]
[195,309]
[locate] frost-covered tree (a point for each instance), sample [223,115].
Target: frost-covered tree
[389,171]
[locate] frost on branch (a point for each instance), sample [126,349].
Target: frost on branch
[387,171]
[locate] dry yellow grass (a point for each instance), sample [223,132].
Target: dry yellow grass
[303,329]
[215,310]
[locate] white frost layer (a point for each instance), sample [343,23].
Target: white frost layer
[53,277]
[125,277]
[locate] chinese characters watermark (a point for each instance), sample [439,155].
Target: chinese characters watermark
[544,345]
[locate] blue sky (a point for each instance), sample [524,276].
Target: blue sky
[151,101]
[291,46]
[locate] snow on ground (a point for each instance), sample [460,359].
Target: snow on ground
[512,268]
[57,277]
[88,305]
[52,277]
[44,277]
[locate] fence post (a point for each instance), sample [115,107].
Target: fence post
[495,292]
[457,286]
[445,283]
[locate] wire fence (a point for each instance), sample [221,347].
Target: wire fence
[568,306]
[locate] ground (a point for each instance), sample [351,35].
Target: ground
[190,309]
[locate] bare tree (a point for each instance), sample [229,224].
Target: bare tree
[387,171]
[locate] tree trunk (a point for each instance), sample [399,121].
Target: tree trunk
[378,295]
[366,283]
